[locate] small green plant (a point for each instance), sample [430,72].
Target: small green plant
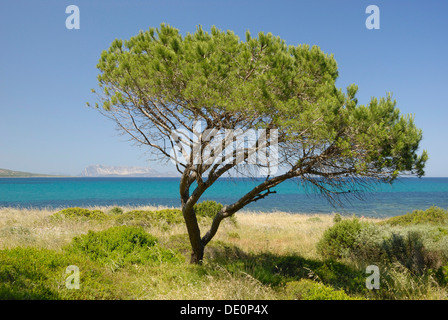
[79,213]
[233,235]
[115,211]
[337,218]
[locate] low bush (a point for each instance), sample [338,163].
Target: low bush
[79,213]
[410,252]
[337,218]
[207,208]
[135,218]
[170,216]
[311,290]
[118,246]
[415,248]
[432,215]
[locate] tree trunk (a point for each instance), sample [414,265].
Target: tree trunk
[194,234]
[197,255]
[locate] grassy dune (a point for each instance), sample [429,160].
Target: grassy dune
[255,256]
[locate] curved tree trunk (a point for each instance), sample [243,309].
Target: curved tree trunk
[194,234]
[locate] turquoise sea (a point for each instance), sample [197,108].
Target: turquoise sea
[405,195]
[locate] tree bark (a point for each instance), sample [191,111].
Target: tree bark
[197,256]
[194,234]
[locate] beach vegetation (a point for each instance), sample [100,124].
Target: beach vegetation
[265,256]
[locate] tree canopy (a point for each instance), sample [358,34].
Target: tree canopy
[159,83]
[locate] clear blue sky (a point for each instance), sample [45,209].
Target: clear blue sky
[47,71]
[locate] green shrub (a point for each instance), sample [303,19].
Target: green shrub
[409,251]
[339,240]
[311,290]
[432,215]
[118,246]
[116,211]
[32,273]
[411,247]
[207,208]
[80,213]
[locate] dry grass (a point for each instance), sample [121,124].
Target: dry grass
[277,232]
[33,227]
[254,232]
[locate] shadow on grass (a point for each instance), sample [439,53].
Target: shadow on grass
[276,270]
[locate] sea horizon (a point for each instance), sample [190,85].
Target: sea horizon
[382,200]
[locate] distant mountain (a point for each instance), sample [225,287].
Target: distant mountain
[5,173]
[122,171]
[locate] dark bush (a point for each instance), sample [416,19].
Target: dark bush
[409,251]
[116,211]
[337,218]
